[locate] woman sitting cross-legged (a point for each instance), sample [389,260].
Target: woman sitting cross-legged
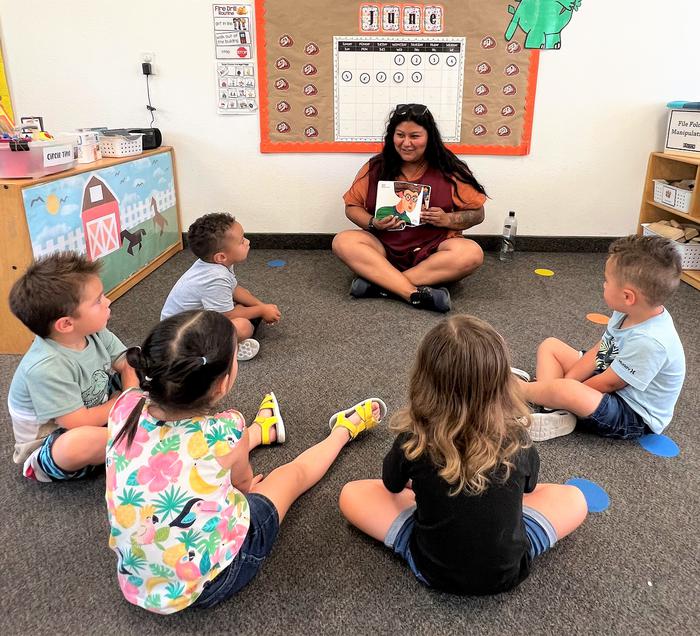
[412,262]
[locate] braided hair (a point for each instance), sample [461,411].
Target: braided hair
[179,363]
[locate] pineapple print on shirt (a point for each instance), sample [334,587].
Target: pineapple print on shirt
[176,521]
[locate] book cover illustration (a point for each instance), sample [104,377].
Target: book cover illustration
[402,199]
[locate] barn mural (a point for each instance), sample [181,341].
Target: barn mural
[124,216]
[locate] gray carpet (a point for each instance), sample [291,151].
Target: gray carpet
[633,569]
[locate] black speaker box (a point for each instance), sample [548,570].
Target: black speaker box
[151,137]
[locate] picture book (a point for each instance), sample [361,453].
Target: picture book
[402,199]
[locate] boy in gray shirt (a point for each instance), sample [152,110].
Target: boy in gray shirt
[66,384]
[219,243]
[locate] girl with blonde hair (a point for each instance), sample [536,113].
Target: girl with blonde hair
[459,498]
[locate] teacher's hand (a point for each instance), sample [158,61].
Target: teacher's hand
[389,223]
[435,216]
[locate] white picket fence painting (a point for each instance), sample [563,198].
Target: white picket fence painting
[130,216]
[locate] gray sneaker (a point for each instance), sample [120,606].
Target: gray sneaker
[550,425]
[247,349]
[361,288]
[432,298]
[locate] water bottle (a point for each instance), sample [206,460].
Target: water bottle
[510,229]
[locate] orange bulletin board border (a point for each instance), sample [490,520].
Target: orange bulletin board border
[267,145]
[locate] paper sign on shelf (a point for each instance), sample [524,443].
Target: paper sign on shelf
[58,155]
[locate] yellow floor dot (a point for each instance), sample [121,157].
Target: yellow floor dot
[544,272]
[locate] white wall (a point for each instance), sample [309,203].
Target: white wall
[599,111]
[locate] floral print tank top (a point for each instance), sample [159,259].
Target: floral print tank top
[176,520]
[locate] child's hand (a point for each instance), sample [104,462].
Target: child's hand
[270,314]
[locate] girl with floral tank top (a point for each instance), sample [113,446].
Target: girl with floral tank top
[190,523]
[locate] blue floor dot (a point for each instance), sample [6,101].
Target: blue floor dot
[277,263]
[596,498]
[659,445]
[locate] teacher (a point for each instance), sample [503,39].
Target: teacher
[410,262]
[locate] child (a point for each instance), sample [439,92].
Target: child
[190,523]
[629,381]
[65,384]
[458,498]
[218,241]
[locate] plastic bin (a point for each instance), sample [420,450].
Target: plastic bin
[25,159]
[673,197]
[121,145]
[690,252]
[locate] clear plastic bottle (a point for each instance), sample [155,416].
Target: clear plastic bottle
[510,229]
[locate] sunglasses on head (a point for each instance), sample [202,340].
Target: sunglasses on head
[414,109]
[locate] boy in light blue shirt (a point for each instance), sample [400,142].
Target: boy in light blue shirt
[219,242]
[629,382]
[65,385]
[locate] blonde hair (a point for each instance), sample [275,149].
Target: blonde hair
[466,411]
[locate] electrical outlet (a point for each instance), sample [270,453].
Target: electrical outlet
[149,57]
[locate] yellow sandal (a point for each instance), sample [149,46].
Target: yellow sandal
[266,423]
[364,410]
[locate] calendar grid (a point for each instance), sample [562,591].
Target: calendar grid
[373,74]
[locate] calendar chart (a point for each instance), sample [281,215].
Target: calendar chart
[372,75]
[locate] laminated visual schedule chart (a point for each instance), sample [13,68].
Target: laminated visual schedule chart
[236,77]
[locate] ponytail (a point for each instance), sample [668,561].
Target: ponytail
[134,357]
[181,360]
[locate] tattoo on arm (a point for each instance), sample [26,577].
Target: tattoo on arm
[463,219]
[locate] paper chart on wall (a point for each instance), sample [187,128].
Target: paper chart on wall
[237,91]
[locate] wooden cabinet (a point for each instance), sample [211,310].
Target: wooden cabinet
[123,212]
[671,168]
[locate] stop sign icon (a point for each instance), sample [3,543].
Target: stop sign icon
[242,51]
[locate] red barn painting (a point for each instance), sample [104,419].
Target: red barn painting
[100,216]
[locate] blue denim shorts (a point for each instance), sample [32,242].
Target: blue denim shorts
[538,529]
[42,460]
[613,418]
[262,533]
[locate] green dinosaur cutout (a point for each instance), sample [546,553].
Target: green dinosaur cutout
[542,21]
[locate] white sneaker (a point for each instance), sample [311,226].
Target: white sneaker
[550,425]
[248,349]
[523,375]
[32,470]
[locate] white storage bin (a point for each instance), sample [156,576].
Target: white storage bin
[673,197]
[121,145]
[690,252]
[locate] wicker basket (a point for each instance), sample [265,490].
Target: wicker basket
[121,146]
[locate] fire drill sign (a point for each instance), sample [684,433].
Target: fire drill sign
[237,91]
